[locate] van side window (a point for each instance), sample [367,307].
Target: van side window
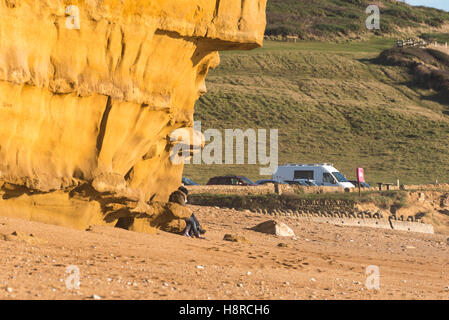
[304,174]
[327,177]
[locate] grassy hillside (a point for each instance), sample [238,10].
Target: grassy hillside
[312,19]
[331,103]
[429,66]
[436,36]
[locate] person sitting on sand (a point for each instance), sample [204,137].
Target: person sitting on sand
[193,227]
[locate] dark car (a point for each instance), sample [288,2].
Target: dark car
[231,181]
[188,182]
[297,183]
[303,182]
[363,184]
[267,181]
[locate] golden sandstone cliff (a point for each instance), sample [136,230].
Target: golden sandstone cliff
[90,91]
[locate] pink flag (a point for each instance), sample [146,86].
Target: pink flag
[360,175]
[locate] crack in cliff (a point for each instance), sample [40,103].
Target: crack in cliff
[139,53]
[217,8]
[242,8]
[130,174]
[104,121]
[123,49]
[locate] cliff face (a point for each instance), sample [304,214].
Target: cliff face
[90,91]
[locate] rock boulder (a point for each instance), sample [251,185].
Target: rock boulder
[275,228]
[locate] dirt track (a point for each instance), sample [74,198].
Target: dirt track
[321,262]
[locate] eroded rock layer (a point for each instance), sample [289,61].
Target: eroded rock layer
[89,94]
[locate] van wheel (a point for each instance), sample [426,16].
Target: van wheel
[347,190]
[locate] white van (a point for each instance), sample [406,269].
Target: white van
[323,174]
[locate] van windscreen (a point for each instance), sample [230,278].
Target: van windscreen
[304,174]
[339,177]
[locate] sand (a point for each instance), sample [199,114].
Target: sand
[321,262]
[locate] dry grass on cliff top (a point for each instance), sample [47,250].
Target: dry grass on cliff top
[331,103]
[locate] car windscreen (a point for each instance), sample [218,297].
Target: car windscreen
[339,177]
[246,180]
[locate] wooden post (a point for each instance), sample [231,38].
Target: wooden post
[360,191]
[276,188]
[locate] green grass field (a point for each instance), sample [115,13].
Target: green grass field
[436,36]
[331,103]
